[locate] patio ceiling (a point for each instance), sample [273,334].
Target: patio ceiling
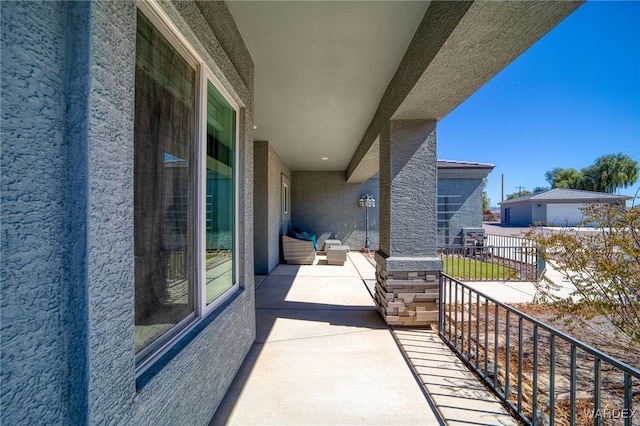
[320,71]
[329,75]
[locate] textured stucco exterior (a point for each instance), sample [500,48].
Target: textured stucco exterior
[67,219]
[36,238]
[325,204]
[459,202]
[466,211]
[270,221]
[408,189]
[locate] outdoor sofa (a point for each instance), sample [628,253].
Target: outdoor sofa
[298,252]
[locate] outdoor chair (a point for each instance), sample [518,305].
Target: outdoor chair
[298,252]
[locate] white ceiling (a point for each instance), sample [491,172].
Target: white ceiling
[321,69]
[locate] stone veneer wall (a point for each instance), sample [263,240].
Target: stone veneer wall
[407,298]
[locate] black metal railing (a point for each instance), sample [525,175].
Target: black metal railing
[490,263]
[543,375]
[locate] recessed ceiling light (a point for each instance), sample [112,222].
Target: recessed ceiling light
[324,158]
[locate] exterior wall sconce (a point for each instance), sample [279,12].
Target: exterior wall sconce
[367,201]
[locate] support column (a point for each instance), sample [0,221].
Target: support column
[408,269]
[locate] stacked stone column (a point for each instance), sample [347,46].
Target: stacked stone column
[408,269]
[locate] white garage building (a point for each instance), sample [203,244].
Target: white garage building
[555,207]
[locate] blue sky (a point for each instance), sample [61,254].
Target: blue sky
[572,97]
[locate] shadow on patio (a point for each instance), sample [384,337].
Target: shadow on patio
[324,356]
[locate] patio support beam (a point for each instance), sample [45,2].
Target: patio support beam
[457,48]
[408,268]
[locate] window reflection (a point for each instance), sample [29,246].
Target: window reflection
[164,133]
[220,205]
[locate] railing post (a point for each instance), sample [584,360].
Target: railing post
[455,313]
[628,399]
[520,336]
[449,306]
[486,336]
[477,330]
[597,394]
[496,360]
[573,383]
[535,375]
[552,378]
[469,326]
[462,321]
[441,304]
[507,351]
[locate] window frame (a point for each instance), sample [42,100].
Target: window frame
[285,196]
[206,75]
[147,356]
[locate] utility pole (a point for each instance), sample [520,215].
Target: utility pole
[502,197]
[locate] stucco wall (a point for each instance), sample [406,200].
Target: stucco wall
[466,211]
[520,214]
[261,207]
[35,231]
[408,187]
[325,204]
[539,212]
[269,221]
[67,217]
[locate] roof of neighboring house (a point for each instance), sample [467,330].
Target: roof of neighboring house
[563,194]
[451,164]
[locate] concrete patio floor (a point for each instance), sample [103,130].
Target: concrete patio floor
[323,356]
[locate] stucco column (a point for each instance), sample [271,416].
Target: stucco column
[408,268]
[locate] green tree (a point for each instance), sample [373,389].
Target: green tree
[564,178]
[521,193]
[611,172]
[607,174]
[485,198]
[603,266]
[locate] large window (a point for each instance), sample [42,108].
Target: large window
[184,189]
[220,206]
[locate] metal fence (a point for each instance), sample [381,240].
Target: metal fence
[544,376]
[506,241]
[488,263]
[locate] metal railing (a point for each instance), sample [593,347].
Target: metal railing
[543,375]
[506,241]
[489,263]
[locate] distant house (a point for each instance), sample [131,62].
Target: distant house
[558,206]
[459,199]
